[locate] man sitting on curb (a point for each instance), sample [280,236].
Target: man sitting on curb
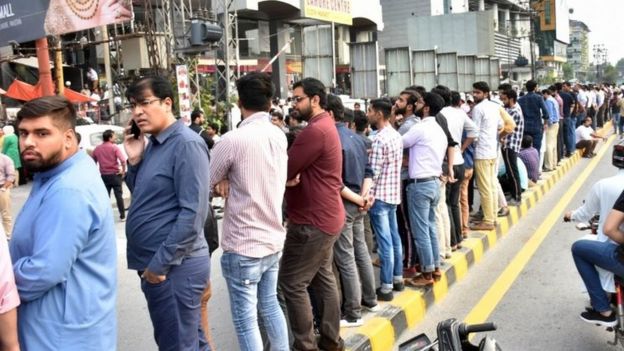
[586,138]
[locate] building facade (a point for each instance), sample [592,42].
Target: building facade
[552,36]
[578,50]
[496,29]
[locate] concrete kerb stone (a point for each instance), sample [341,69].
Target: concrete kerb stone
[409,307]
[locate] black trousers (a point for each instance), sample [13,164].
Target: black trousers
[510,157]
[405,233]
[560,141]
[453,190]
[114,181]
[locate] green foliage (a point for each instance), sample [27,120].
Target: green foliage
[548,79]
[610,74]
[620,66]
[568,71]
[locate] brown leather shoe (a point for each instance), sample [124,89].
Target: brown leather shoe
[437,275]
[482,226]
[421,281]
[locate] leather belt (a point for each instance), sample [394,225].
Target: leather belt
[420,180]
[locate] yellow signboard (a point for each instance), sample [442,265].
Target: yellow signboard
[337,11]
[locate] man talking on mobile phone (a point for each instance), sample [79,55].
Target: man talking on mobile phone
[169,181]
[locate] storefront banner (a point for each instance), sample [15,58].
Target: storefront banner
[27,20]
[337,11]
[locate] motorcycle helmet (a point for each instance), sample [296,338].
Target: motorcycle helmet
[617,158]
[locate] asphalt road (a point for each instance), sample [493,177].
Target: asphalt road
[539,312]
[135,331]
[541,309]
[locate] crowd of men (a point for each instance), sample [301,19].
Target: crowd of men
[321,188]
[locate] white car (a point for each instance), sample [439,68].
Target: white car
[91,136]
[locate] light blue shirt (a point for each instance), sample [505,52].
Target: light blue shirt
[553,110]
[65,261]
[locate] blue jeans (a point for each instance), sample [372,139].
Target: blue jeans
[537,135]
[384,223]
[590,253]
[569,135]
[422,201]
[617,123]
[174,305]
[252,286]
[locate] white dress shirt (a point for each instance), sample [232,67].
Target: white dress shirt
[427,145]
[487,117]
[458,121]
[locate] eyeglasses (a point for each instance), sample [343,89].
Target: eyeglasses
[142,104]
[299,98]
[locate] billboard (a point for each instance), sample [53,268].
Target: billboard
[22,21]
[554,16]
[337,11]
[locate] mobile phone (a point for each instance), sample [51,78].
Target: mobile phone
[134,129]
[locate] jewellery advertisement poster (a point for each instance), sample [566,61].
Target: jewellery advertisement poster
[22,21]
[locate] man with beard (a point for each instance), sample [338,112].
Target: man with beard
[406,105]
[535,114]
[427,145]
[385,161]
[486,116]
[511,145]
[63,246]
[316,217]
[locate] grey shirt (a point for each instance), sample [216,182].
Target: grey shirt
[170,189]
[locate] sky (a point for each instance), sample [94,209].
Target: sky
[601,16]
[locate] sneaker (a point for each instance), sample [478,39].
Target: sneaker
[594,317]
[398,286]
[122,219]
[383,296]
[351,323]
[514,202]
[371,308]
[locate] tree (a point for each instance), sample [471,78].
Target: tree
[610,74]
[620,66]
[568,71]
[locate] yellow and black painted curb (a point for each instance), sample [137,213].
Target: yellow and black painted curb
[408,308]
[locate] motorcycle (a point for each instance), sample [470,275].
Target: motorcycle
[453,336]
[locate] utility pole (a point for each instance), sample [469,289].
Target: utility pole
[107,69]
[43,59]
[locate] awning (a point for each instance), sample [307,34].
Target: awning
[19,90]
[75,96]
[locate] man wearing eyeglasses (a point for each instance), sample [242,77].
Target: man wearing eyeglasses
[315,219]
[169,180]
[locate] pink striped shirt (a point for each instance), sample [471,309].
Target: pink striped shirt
[9,298]
[254,160]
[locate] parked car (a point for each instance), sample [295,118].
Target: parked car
[91,136]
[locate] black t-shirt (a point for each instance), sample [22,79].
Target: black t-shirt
[619,203]
[568,102]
